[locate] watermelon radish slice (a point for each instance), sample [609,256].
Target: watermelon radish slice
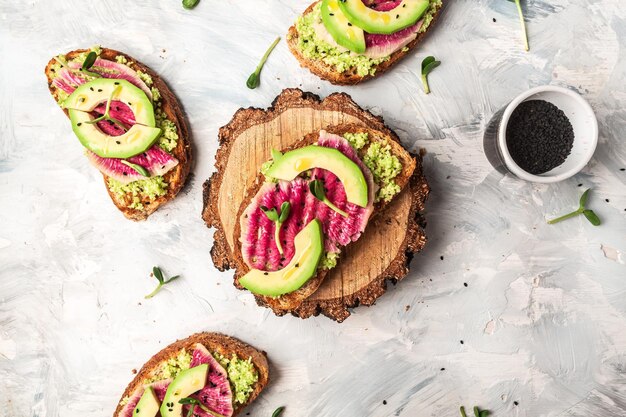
[216,395]
[111,69]
[155,160]
[258,246]
[379,46]
[160,388]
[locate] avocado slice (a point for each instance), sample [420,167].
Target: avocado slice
[138,139]
[309,243]
[289,165]
[404,15]
[186,383]
[340,28]
[87,97]
[148,405]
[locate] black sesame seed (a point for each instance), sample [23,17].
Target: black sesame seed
[443,369]
[265,273]
[580,185]
[462,342]
[397,16]
[91,88]
[116,83]
[622,169]
[82,99]
[465,284]
[99,90]
[118,142]
[384,402]
[494,20]
[515,403]
[539,136]
[441,257]
[78,124]
[606,199]
[349,24]
[331,14]
[297,265]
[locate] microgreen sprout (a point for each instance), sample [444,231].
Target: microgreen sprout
[589,214]
[194,402]
[477,412]
[89,60]
[317,189]
[255,78]
[278,219]
[138,168]
[278,412]
[521,19]
[428,64]
[106,115]
[190,4]
[158,274]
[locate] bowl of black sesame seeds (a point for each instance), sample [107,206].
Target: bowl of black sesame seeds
[546,134]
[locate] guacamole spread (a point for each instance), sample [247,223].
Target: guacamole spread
[241,374]
[314,48]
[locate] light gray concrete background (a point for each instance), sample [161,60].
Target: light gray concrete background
[542,320]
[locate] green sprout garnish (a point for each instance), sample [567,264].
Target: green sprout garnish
[255,78]
[158,274]
[278,219]
[194,402]
[278,412]
[589,214]
[190,4]
[521,19]
[138,168]
[428,64]
[317,189]
[477,412]
[106,115]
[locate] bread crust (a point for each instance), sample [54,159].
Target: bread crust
[327,72]
[291,301]
[170,105]
[214,342]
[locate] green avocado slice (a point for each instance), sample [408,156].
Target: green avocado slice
[140,137]
[289,165]
[186,383]
[404,15]
[148,405]
[309,243]
[340,28]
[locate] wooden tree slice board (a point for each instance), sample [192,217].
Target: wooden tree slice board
[382,253]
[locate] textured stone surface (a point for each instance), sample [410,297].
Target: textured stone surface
[542,318]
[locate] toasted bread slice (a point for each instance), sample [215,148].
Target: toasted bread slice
[214,342]
[289,302]
[350,76]
[169,104]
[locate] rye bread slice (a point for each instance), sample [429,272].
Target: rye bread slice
[291,301]
[350,77]
[169,104]
[214,342]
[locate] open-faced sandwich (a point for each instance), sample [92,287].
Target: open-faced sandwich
[315,204]
[350,41]
[213,374]
[130,123]
[309,202]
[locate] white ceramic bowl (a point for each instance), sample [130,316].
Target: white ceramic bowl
[580,115]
